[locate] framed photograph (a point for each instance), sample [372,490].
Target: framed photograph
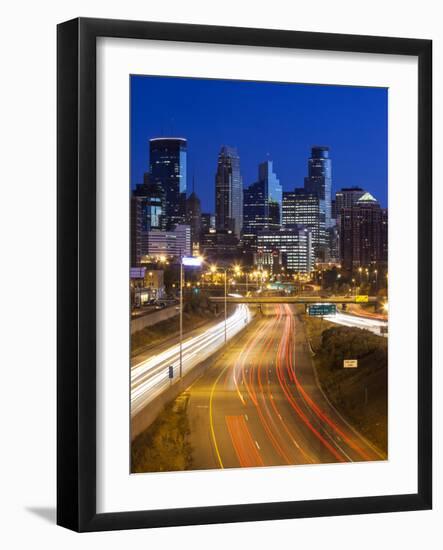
[244,274]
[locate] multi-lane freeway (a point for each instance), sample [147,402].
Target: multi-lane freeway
[150,375]
[375,325]
[260,403]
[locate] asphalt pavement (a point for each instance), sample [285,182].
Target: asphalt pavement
[260,403]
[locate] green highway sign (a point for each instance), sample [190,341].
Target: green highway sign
[322,309]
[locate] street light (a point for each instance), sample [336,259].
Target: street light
[237,271]
[190,261]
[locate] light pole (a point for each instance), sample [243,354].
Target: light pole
[226,303]
[181,317]
[225,271]
[192,262]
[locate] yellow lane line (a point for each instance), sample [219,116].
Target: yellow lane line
[211,418]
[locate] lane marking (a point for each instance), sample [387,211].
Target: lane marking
[211,416]
[258,446]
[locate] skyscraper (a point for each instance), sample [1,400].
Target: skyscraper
[194,219]
[229,191]
[262,204]
[207,222]
[346,197]
[168,160]
[303,208]
[147,203]
[272,186]
[364,233]
[319,180]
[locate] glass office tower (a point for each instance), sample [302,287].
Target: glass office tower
[167,158]
[319,179]
[147,203]
[229,191]
[272,186]
[262,204]
[303,208]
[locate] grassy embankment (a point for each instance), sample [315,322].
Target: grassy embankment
[164,446]
[360,394]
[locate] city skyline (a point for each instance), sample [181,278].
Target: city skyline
[353,122]
[259,295]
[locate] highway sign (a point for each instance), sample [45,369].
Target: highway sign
[362,298]
[350,363]
[171,371]
[322,309]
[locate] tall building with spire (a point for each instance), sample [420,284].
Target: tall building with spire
[319,180]
[168,168]
[229,191]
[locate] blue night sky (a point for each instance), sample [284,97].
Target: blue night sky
[264,120]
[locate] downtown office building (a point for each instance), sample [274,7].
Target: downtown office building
[303,208]
[364,234]
[167,168]
[262,205]
[147,203]
[346,197]
[169,244]
[229,192]
[294,244]
[319,181]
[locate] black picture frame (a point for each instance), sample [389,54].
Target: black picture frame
[76,281]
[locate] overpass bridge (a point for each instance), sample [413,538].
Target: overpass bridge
[294,300]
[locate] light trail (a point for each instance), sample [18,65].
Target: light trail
[322,416]
[150,377]
[310,432]
[350,320]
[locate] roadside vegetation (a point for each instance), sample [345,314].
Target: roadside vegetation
[360,394]
[164,446]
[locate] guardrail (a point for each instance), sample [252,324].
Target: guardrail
[293,300]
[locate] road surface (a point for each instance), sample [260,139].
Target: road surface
[149,376]
[260,404]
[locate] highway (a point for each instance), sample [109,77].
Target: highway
[351,320]
[260,404]
[149,377]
